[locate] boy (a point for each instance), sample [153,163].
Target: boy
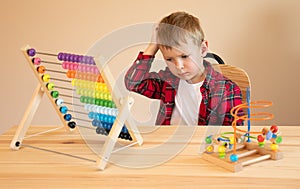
[190,90]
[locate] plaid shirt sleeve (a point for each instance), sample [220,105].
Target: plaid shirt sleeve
[138,78]
[231,98]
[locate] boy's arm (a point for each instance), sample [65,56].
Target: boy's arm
[138,78]
[232,98]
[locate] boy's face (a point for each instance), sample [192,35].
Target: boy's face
[186,61]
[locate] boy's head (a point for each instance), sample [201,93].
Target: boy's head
[177,28]
[181,41]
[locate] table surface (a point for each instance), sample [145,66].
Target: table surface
[30,167]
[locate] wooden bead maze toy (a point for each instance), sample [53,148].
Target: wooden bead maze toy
[82,96]
[240,148]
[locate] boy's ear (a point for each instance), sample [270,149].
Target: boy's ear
[204,48]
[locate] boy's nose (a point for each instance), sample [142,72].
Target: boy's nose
[179,64]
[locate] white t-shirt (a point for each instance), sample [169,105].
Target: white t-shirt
[187,104]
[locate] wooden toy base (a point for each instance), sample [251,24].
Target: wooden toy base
[248,153]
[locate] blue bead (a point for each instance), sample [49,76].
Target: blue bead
[233,157]
[91,115]
[269,135]
[68,117]
[63,109]
[94,123]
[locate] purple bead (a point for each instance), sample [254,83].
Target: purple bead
[71,57]
[93,61]
[31,52]
[84,59]
[60,56]
[67,57]
[80,57]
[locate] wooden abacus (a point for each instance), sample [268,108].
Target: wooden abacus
[105,110]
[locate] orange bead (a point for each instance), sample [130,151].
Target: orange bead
[41,69]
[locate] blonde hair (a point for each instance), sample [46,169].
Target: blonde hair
[178,27]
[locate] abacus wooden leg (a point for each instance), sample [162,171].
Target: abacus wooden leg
[27,117]
[114,133]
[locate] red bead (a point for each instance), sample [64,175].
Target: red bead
[274,129]
[260,138]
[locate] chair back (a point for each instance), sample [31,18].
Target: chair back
[237,75]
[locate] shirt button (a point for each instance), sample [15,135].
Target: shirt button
[137,61]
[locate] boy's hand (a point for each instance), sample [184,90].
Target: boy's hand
[153,46]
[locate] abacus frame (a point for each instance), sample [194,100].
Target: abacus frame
[123,104]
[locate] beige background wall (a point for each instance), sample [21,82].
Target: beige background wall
[260,36]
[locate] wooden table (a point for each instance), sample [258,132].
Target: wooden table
[33,168]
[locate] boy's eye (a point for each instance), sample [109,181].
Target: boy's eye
[184,56]
[169,59]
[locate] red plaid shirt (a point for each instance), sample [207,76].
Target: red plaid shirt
[219,94]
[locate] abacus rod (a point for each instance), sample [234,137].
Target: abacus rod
[69,96]
[66,88]
[62,80]
[81,119]
[56,152]
[43,132]
[92,128]
[51,62]
[77,112]
[55,71]
[74,104]
[124,147]
[48,54]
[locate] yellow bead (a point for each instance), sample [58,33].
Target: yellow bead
[73,82]
[274,147]
[231,140]
[221,149]
[210,149]
[46,77]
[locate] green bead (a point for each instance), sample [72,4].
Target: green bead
[97,102]
[208,140]
[261,144]
[278,139]
[222,155]
[54,94]
[82,99]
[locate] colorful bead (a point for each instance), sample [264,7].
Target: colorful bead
[260,138]
[54,94]
[208,140]
[41,69]
[46,77]
[31,52]
[36,61]
[234,158]
[261,144]
[278,140]
[72,124]
[50,86]
[274,147]
[274,128]
[63,109]
[269,135]
[68,117]
[209,149]
[59,102]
